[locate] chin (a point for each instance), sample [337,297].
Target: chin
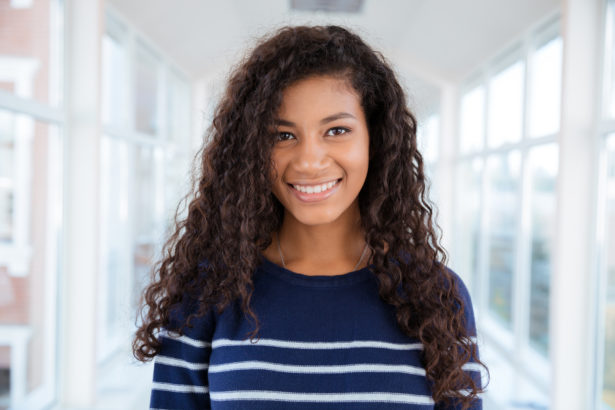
[316,218]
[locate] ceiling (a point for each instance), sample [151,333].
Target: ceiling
[430,42]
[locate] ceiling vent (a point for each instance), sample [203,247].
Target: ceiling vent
[328,6]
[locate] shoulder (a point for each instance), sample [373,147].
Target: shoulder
[460,289]
[466,300]
[456,280]
[459,285]
[188,314]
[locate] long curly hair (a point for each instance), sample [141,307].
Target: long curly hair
[232,211]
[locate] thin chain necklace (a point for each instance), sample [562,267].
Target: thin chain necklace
[284,264]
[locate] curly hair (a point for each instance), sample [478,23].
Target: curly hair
[232,211]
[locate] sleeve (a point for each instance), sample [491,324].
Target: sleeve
[472,367]
[180,369]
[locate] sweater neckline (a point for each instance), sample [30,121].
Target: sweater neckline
[344,279]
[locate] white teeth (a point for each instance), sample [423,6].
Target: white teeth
[310,189]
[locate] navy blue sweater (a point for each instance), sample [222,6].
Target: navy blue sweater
[326,342]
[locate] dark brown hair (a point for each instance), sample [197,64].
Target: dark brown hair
[232,212]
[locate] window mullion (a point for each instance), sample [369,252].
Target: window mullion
[35,109]
[522,291]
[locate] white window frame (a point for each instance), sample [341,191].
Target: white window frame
[163,145]
[513,346]
[17,254]
[606,127]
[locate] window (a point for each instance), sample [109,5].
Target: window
[503,175]
[542,165]
[505,204]
[609,63]
[472,120]
[116,244]
[149,209]
[31,50]
[31,140]
[29,256]
[147,92]
[505,108]
[7,177]
[145,155]
[606,364]
[605,358]
[428,137]
[468,183]
[545,89]
[115,78]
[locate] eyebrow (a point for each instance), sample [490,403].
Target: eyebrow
[323,121]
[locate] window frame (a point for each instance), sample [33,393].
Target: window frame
[513,345]
[18,252]
[164,148]
[604,132]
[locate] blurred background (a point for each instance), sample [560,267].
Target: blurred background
[104,103]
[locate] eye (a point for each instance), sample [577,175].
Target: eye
[337,131]
[283,136]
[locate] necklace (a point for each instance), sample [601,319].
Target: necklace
[284,264]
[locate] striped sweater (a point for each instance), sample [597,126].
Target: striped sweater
[325,342]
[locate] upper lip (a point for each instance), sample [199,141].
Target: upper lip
[314,182]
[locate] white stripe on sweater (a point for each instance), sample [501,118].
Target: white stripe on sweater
[473,367]
[298,345]
[179,388]
[318,345]
[171,361]
[369,397]
[309,369]
[185,339]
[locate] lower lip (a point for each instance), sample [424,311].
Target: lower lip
[316,196]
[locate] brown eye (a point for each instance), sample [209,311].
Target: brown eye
[283,136]
[337,131]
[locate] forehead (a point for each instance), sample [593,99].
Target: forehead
[318,96]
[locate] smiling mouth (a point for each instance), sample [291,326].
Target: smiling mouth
[315,189]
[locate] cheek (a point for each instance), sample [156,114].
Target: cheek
[358,161]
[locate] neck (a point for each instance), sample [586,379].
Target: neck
[337,244]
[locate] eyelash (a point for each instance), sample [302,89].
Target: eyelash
[346,130]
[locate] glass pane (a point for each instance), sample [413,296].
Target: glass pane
[608,375]
[609,54]
[505,110]
[114,82]
[146,93]
[7,176]
[468,183]
[472,120]
[545,89]
[31,49]
[116,243]
[502,199]
[149,201]
[178,111]
[428,135]
[31,196]
[177,182]
[542,167]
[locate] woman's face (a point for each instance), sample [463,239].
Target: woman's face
[321,153]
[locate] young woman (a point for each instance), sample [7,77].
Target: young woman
[307,273]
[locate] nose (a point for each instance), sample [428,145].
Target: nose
[311,154]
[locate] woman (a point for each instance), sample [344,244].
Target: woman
[310,233]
